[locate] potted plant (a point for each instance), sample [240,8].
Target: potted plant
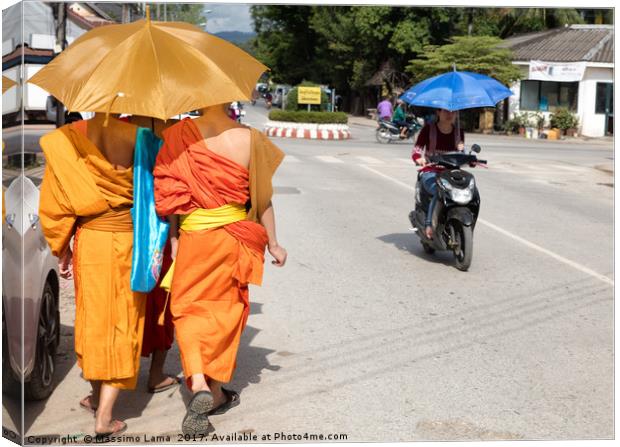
[565,121]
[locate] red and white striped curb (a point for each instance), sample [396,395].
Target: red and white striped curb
[309,131]
[306,133]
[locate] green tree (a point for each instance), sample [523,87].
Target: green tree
[479,54]
[285,42]
[526,20]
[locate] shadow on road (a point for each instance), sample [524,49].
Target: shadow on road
[411,243]
[251,360]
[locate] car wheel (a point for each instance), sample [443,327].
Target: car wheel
[41,381]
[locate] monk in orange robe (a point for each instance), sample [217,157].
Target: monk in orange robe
[158,327]
[209,165]
[87,194]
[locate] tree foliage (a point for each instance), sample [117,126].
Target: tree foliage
[479,54]
[344,46]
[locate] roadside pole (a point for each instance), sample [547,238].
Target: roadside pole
[61,43]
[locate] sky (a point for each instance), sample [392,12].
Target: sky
[228,17]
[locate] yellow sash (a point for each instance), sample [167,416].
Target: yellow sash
[202,219]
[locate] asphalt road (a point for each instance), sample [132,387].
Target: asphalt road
[362,334]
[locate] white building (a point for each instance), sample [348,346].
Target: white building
[570,67]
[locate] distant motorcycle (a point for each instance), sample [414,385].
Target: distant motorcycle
[388,131]
[456,212]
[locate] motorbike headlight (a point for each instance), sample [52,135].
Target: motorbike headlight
[472,184]
[445,184]
[462,196]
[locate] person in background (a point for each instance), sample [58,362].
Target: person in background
[399,118]
[384,109]
[158,328]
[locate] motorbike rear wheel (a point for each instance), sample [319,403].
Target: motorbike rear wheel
[464,245]
[383,135]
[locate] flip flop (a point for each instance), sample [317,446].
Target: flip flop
[87,406]
[196,420]
[117,431]
[159,389]
[232,400]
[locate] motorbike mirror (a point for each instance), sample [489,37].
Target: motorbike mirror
[475,148]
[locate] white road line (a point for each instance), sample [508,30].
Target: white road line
[525,242]
[292,159]
[328,159]
[369,160]
[555,256]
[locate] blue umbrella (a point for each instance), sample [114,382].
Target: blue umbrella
[456,90]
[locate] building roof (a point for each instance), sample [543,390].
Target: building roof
[589,43]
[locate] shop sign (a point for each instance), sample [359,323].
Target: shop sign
[557,71]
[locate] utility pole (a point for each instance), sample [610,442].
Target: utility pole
[60,10]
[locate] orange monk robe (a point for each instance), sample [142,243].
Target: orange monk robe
[158,337]
[83,194]
[209,293]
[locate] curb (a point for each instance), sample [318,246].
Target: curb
[307,131]
[309,134]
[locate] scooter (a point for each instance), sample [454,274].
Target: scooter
[456,211]
[388,131]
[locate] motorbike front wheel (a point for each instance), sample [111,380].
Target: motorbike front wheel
[383,135]
[464,245]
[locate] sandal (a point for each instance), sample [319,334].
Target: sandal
[232,400]
[196,420]
[119,427]
[87,405]
[159,389]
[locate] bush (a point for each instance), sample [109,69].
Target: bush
[563,119]
[291,99]
[309,117]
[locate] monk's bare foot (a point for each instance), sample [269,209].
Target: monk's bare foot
[112,427]
[219,397]
[161,382]
[89,404]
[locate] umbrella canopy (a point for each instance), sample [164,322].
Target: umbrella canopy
[156,69]
[7,83]
[457,90]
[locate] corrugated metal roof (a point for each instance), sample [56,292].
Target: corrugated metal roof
[570,44]
[605,54]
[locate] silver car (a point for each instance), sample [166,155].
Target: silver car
[30,280]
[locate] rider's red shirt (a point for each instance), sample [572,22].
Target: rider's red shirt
[446,142]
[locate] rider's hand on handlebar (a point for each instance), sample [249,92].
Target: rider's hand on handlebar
[421,161]
[460,146]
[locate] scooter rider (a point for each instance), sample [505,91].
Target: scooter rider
[440,136]
[399,118]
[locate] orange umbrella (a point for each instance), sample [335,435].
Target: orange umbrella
[149,68]
[7,83]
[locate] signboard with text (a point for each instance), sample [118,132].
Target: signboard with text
[558,72]
[309,95]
